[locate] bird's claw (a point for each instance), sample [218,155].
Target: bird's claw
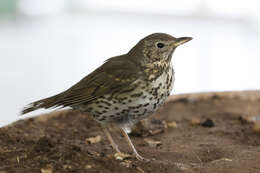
[140,158]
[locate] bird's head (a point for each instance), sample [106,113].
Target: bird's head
[157,47]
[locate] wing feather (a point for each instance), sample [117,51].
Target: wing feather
[114,75]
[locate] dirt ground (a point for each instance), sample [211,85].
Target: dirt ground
[204,133]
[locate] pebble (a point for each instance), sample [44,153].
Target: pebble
[152,143]
[126,163]
[172,124]
[140,170]
[93,140]
[181,166]
[88,166]
[195,121]
[48,170]
[122,156]
[248,118]
[256,127]
[208,123]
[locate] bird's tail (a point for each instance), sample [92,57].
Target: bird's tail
[46,103]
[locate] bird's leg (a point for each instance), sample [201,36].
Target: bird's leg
[112,142]
[132,145]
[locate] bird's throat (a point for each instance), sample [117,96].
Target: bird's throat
[155,69]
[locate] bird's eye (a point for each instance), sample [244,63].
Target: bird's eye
[160,45]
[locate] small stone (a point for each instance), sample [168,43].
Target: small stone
[152,143]
[156,132]
[140,170]
[256,127]
[67,167]
[122,156]
[93,153]
[195,121]
[248,119]
[126,163]
[88,166]
[93,140]
[182,166]
[208,123]
[172,124]
[47,170]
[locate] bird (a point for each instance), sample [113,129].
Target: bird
[125,89]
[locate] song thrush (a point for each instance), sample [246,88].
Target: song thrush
[126,88]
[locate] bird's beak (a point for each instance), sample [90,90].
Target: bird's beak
[181,41]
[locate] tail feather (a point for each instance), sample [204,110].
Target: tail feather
[49,102]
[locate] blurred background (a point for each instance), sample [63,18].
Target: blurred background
[46,46]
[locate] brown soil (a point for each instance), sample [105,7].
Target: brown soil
[57,142]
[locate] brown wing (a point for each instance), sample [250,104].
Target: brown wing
[115,75]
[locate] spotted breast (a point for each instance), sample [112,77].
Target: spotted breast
[129,107]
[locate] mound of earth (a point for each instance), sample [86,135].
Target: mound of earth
[204,132]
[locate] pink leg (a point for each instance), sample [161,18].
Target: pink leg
[112,142]
[132,145]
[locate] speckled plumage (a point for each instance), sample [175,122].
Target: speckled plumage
[127,107]
[126,88]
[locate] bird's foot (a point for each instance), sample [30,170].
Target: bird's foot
[140,158]
[124,156]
